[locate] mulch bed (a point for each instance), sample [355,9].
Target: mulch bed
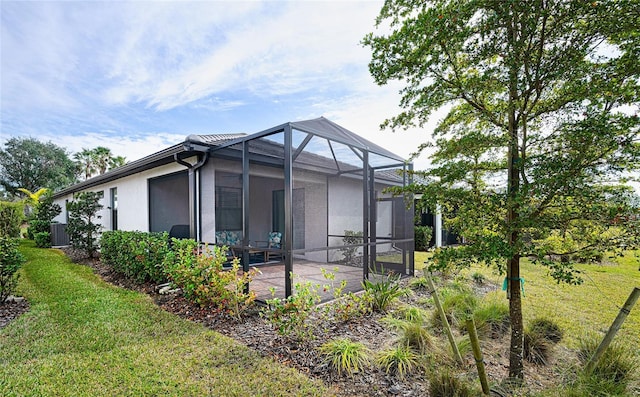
[11,310]
[256,333]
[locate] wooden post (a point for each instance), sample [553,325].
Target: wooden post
[613,330]
[445,322]
[477,355]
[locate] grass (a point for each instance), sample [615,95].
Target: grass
[577,309]
[83,336]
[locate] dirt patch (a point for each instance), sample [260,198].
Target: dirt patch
[11,310]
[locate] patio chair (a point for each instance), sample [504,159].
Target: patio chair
[274,241]
[231,239]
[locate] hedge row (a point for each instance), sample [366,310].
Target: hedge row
[137,255]
[11,216]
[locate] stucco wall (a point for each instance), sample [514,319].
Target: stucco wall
[133,200]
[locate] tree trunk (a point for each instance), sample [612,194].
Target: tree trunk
[513,215]
[515,313]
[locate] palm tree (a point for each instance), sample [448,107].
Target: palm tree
[101,158]
[117,161]
[85,161]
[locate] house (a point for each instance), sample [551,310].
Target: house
[312,181]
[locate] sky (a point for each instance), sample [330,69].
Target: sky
[140,76]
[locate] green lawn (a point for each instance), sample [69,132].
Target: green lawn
[578,309]
[83,336]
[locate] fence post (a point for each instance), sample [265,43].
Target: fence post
[445,322]
[613,330]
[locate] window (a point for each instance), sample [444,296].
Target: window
[114,208]
[228,202]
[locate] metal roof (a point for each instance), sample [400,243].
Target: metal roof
[320,126]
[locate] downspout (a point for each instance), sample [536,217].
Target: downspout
[193,196]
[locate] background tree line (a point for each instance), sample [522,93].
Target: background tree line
[32,165]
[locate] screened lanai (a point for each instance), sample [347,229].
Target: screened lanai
[317,185]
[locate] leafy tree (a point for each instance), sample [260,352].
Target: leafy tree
[542,100]
[82,229]
[31,164]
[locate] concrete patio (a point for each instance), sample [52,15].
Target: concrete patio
[273,276]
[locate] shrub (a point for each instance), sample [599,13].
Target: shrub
[10,262]
[399,360]
[445,384]
[137,255]
[82,229]
[199,272]
[344,355]
[384,292]
[37,226]
[422,237]
[11,215]
[43,239]
[290,316]
[347,306]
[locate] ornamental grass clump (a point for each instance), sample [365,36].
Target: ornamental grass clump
[539,339]
[399,360]
[444,383]
[614,370]
[345,355]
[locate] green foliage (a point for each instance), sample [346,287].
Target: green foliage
[443,383]
[119,342]
[37,226]
[291,316]
[97,161]
[11,215]
[383,292]
[458,303]
[345,306]
[536,129]
[350,238]
[137,255]
[10,262]
[82,229]
[344,355]
[492,317]
[422,237]
[31,164]
[547,328]
[614,370]
[412,333]
[42,239]
[200,273]
[419,284]
[478,278]
[45,209]
[399,360]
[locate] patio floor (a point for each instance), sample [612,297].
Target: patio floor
[273,276]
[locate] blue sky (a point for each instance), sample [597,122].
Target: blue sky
[140,76]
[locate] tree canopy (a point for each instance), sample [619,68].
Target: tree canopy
[542,126]
[30,164]
[97,161]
